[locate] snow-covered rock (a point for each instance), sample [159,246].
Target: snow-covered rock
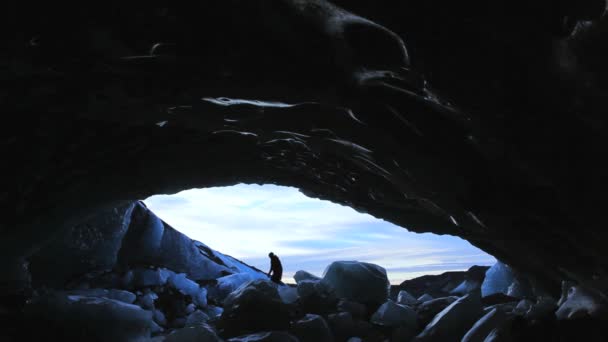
[255,306]
[271,336]
[391,314]
[197,333]
[498,279]
[453,321]
[484,326]
[189,287]
[288,294]
[577,301]
[358,281]
[81,316]
[120,295]
[312,328]
[196,318]
[425,298]
[405,298]
[303,275]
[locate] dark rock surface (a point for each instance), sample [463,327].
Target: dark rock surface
[486,127]
[441,285]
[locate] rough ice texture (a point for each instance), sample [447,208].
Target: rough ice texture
[303,275]
[358,281]
[465,287]
[455,320]
[81,316]
[196,318]
[188,287]
[482,328]
[90,245]
[199,333]
[425,298]
[289,294]
[128,238]
[150,241]
[119,295]
[254,306]
[391,314]
[578,301]
[405,298]
[271,336]
[148,277]
[498,279]
[227,284]
[312,328]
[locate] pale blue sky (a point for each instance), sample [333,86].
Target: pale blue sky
[248,221]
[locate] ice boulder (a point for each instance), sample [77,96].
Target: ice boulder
[227,284]
[391,314]
[79,317]
[254,306]
[146,301]
[455,320]
[303,275]
[498,279]
[150,241]
[405,298]
[465,287]
[316,297]
[485,325]
[358,310]
[578,301]
[196,318]
[197,333]
[288,294]
[358,281]
[342,325]
[544,307]
[189,287]
[159,317]
[522,307]
[312,328]
[427,310]
[213,311]
[271,336]
[425,298]
[120,295]
[149,277]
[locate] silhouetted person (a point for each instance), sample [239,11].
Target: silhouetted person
[275,268]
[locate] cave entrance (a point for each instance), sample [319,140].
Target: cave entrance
[247,221]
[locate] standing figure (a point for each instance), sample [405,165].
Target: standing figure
[275,268]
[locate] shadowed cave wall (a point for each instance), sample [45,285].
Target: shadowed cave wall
[483,120]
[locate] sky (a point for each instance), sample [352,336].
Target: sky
[248,221]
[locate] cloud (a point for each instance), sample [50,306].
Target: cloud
[248,221]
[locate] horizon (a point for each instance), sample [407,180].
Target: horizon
[247,221]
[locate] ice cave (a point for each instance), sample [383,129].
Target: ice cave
[483,120]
